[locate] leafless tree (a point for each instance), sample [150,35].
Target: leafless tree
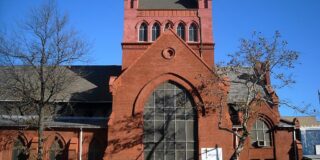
[258,60]
[34,72]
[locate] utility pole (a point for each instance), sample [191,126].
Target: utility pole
[319,96]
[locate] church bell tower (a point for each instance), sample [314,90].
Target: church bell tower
[146,20]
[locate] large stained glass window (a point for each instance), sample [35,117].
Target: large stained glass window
[169,124]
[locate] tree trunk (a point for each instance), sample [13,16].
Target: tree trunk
[41,104]
[40,136]
[240,147]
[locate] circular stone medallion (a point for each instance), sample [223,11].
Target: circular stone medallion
[168,53]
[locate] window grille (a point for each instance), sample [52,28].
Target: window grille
[260,134]
[169,124]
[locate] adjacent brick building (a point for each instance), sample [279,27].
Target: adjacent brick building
[148,107]
[310,135]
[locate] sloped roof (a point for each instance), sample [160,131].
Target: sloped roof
[305,121]
[92,86]
[168,4]
[92,83]
[26,79]
[285,124]
[238,91]
[89,83]
[99,76]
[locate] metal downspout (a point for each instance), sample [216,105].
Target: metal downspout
[200,30]
[80,144]
[294,143]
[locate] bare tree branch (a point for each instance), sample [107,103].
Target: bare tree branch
[257,61]
[33,69]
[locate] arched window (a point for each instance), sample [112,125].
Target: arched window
[96,150]
[181,31]
[193,33]
[57,150]
[20,150]
[168,25]
[206,4]
[260,134]
[131,3]
[155,31]
[143,32]
[169,124]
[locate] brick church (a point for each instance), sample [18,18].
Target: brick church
[147,107]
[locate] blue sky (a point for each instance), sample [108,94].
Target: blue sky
[101,21]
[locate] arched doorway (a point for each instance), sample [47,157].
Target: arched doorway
[169,124]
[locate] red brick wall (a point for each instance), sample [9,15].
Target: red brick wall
[144,68]
[284,144]
[134,17]
[134,85]
[69,136]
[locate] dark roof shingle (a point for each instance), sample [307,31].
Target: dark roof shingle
[238,90]
[90,83]
[99,76]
